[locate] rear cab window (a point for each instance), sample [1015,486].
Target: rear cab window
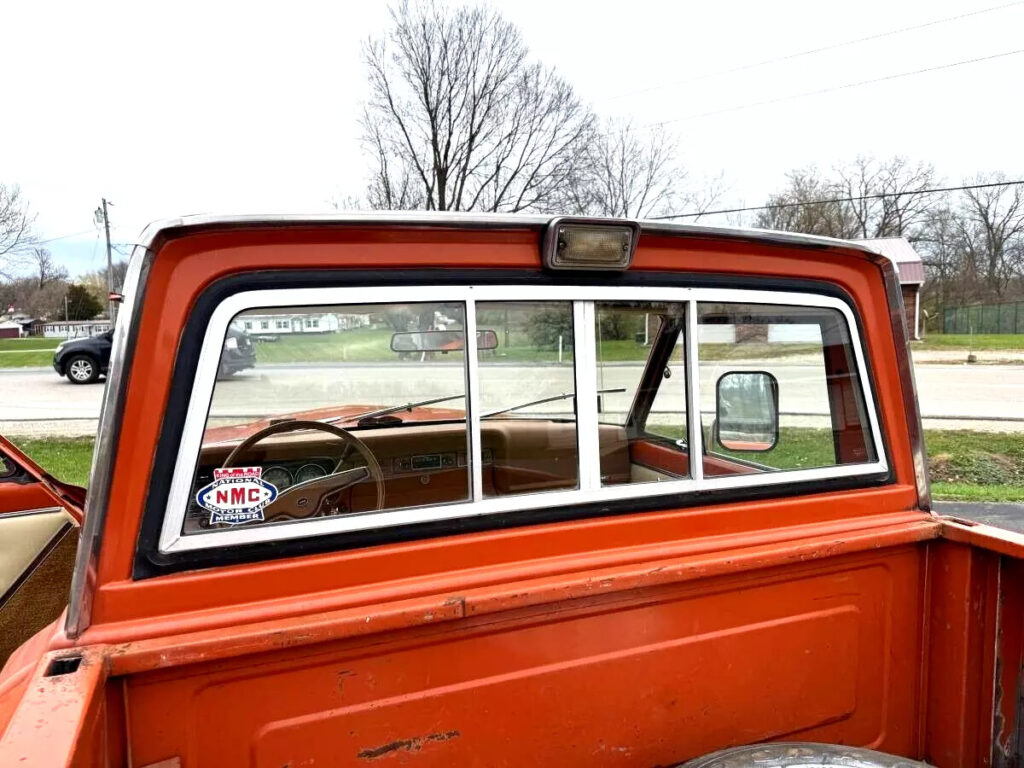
[373,408]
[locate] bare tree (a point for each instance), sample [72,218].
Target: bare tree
[44,267]
[800,207]
[865,198]
[991,229]
[630,173]
[459,118]
[24,294]
[627,173]
[942,252]
[15,222]
[903,209]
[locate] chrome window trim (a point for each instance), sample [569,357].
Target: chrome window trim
[584,354]
[33,511]
[908,380]
[185,225]
[108,434]
[694,424]
[172,541]
[475,452]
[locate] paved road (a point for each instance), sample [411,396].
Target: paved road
[1008,516]
[972,393]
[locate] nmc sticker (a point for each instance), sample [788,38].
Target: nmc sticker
[236,495]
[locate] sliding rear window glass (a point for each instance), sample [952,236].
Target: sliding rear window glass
[802,358]
[319,411]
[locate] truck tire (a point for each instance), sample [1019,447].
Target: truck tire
[796,754]
[82,369]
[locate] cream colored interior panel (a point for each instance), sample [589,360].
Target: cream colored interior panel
[22,538]
[642,474]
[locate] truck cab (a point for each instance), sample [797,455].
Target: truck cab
[506,490]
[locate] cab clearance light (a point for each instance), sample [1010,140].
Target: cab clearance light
[590,244]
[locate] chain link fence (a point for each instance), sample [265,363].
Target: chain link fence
[984,318]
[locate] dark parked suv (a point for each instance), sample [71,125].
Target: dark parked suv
[84,360]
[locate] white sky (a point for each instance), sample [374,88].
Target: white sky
[184,107]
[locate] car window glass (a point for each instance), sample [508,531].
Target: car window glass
[802,357]
[641,372]
[335,411]
[667,417]
[527,397]
[327,416]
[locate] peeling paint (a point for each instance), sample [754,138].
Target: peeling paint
[414,744]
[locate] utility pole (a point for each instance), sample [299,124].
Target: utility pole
[102,212]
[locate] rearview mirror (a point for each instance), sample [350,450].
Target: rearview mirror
[440,341]
[747,411]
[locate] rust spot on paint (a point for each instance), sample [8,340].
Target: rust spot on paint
[414,744]
[341,678]
[458,600]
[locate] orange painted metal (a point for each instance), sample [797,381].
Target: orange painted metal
[61,719]
[179,649]
[637,639]
[961,646]
[1008,730]
[824,650]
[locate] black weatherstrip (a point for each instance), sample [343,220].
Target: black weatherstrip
[150,562]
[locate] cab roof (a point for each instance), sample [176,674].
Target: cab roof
[160,231]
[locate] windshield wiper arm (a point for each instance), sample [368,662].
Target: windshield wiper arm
[393,409]
[563,396]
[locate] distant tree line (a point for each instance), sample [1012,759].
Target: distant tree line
[971,240]
[32,282]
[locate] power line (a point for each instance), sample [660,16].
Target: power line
[62,237]
[875,196]
[845,86]
[814,51]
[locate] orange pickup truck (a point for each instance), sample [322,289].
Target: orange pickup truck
[504,491]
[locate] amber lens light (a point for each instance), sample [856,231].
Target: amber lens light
[591,246]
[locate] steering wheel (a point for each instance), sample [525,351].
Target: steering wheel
[321,496]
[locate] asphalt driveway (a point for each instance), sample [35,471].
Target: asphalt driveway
[1008,516]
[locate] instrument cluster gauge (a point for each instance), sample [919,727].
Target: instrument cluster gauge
[279,477]
[309,472]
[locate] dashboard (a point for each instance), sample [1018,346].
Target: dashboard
[421,464]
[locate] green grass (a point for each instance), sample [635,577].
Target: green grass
[374,345]
[32,343]
[30,358]
[969,492]
[966,466]
[363,345]
[796,448]
[1007,341]
[67,458]
[24,353]
[976,466]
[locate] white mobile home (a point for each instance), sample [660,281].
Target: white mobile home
[75,329]
[289,323]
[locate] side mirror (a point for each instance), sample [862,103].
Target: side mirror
[747,411]
[440,341]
